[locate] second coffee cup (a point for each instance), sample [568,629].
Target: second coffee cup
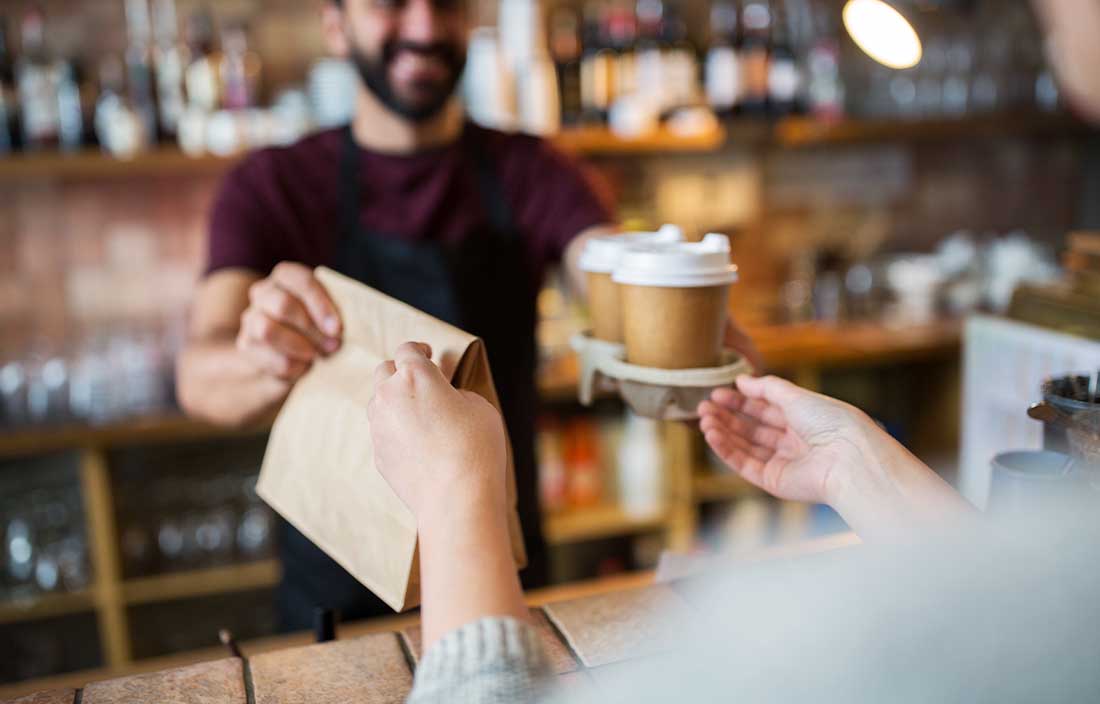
[675,303]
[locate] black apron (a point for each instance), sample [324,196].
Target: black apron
[483,286]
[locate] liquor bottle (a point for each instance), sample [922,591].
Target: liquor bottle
[723,71]
[565,49]
[824,86]
[623,33]
[240,69]
[755,57]
[650,61]
[597,66]
[8,102]
[70,107]
[201,76]
[784,74]
[139,65]
[38,78]
[681,62]
[169,60]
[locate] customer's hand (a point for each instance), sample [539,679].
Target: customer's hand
[785,440]
[444,452]
[802,446]
[434,444]
[289,323]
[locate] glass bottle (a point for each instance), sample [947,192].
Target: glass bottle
[565,49]
[9,106]
[784,74]
[723,72]
[38,78]
[169,60]
[240,69]
[755,56]
[139,65]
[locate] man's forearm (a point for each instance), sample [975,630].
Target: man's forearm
[215,383]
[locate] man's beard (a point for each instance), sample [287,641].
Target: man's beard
[374,72]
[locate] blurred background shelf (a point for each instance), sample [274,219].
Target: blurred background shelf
[168,428]
[708,486]
[205,582]
[605,521]
[792,132]
[46,606]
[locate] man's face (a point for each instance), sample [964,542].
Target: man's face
[410,53]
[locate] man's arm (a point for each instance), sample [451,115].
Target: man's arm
[250,339]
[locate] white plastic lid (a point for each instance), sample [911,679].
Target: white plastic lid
[684,265]
[602,255]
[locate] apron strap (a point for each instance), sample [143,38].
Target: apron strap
[351,192]
[492,194]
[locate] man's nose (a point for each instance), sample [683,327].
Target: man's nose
[421,22]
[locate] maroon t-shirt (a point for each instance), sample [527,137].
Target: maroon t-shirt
[283,204]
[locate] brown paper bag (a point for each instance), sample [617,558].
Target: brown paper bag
[319,473]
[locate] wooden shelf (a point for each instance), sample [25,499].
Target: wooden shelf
[162,429]
[849,344]
[713,487]
[807,132]
[794,132]
[215,580]
[599,140]
[605,521]
[47,606]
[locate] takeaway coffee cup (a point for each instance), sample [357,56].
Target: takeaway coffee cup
[600,258]
[675,303]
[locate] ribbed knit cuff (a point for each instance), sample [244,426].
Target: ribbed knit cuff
[489,659]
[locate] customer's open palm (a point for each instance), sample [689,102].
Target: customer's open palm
[779,437]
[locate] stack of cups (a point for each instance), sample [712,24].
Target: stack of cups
[665,299]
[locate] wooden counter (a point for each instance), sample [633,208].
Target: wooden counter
[591,590]
[390,624]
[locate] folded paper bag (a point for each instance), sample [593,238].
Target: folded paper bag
[318,471]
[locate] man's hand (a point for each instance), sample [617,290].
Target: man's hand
[735,338]
[290,322]
[438,447]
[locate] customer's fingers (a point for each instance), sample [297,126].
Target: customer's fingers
[711,424]
[754,408]
[384,371]
[748,427]
[412,353]
[772,389]
[736,457]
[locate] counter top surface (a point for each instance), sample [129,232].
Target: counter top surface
[595,625]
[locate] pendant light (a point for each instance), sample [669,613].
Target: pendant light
[883,33]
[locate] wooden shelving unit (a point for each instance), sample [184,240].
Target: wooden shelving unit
[604,521]
[205,582]
[47,606]
[788,133]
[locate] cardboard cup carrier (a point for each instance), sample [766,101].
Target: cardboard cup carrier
[675,303]
[599,260]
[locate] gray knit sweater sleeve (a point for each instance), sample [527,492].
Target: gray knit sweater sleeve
[495,660]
